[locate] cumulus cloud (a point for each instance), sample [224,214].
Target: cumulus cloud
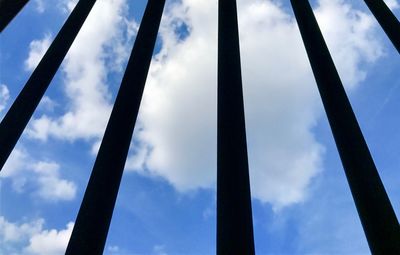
[105,34]
[31,238]
[47,104]
[178,108]
[12,232]
[350,37]
[14,168]
[37,49]
[51,186]
[21,169]
[4,96]
[176,134]
[178,112]
[50,242]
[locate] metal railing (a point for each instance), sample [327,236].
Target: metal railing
[234,213]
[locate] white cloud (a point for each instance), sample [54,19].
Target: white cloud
[178,107]
[37,49]
[51,186]
[105,34]
[15,163]
[348,33]
[68,5]
[113,249]
[138,158]
[4,96]
[47,104]
[31,238]
[21,169]
[11,232]
[178,112]
[159,250]
[392,4]
[40,6]
[50,242]
[177,135]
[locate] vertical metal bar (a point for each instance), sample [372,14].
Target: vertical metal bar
[94,217]
[8,10]
[21,111]
[373,205]
[234,214]
[387,20]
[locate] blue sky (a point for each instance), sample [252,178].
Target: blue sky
[166,204]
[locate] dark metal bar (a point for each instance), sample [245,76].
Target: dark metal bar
[8,10]
[94,217]
[21,111]
[387,20]
[373,205]
[234,214]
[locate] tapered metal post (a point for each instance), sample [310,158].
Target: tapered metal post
[21,111]
[8,10]
[387,20]
[94,217]
[234,214]
[375,211]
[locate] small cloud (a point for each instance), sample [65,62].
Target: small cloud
[47,104]
[136,161]
[31,238]
[51,187]
[13,233]
[159,250]
[67,6]
[4,96]
[15,163]
[50,242]
[37,49]
[40,6]
[113,249]
[21,169]
[39,128]
[208,213]
[95,147]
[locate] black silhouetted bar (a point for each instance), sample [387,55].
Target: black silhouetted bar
[234,214]
[21,111]
[376,213]
[386,19]
[8,10]
[94,217]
